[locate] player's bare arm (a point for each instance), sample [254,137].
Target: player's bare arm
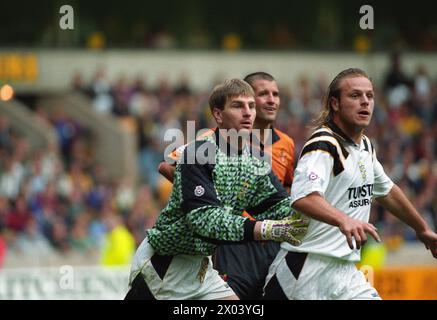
[315,206]
[397,203]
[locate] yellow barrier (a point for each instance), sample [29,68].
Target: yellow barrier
[406,283]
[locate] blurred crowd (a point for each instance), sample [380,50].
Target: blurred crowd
[196,24]
[59,200]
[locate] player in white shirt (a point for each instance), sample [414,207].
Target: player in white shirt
[336,178]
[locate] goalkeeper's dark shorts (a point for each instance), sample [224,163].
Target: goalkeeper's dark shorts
[245,266]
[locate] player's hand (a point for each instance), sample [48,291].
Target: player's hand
[290,230]
[429,238]
[357,229]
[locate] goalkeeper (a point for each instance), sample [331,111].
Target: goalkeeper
[204,210]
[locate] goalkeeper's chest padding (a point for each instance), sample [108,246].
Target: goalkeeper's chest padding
[208,199]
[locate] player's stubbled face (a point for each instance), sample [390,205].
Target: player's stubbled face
[239,113]
[356,102]
[267,99]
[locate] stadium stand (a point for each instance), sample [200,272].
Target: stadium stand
[75,159]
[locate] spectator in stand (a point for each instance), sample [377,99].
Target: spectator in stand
[18,218]
[3,246]
[119,245]
[32,242]
[101,93]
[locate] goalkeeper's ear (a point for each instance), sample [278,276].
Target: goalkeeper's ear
[167,170]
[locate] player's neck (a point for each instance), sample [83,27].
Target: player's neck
[352,132]
[235,143]
[261,126]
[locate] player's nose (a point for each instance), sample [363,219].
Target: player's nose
[270,98]
[365,100]
[246,110]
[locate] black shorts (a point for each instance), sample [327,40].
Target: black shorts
[245,266]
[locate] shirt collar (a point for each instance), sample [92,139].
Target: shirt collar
[337,131]
[255,141]
[230,150]
[275,136]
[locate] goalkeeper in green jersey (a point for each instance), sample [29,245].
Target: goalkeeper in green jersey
[215,180]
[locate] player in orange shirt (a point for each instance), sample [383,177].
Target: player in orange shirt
[267,106]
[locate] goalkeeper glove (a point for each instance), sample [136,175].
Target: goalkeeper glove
[290,230]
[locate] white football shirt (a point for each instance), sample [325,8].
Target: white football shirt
[348,176]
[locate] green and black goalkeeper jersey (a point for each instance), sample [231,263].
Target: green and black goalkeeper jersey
[207,200]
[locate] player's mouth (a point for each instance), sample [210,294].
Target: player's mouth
[246,124]
[364,114]
[270,109]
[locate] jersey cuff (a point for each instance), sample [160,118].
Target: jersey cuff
[249,227]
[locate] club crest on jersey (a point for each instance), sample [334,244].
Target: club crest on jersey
[313,176]
[283,157]
[362,170]
[243,191]
[199,191]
